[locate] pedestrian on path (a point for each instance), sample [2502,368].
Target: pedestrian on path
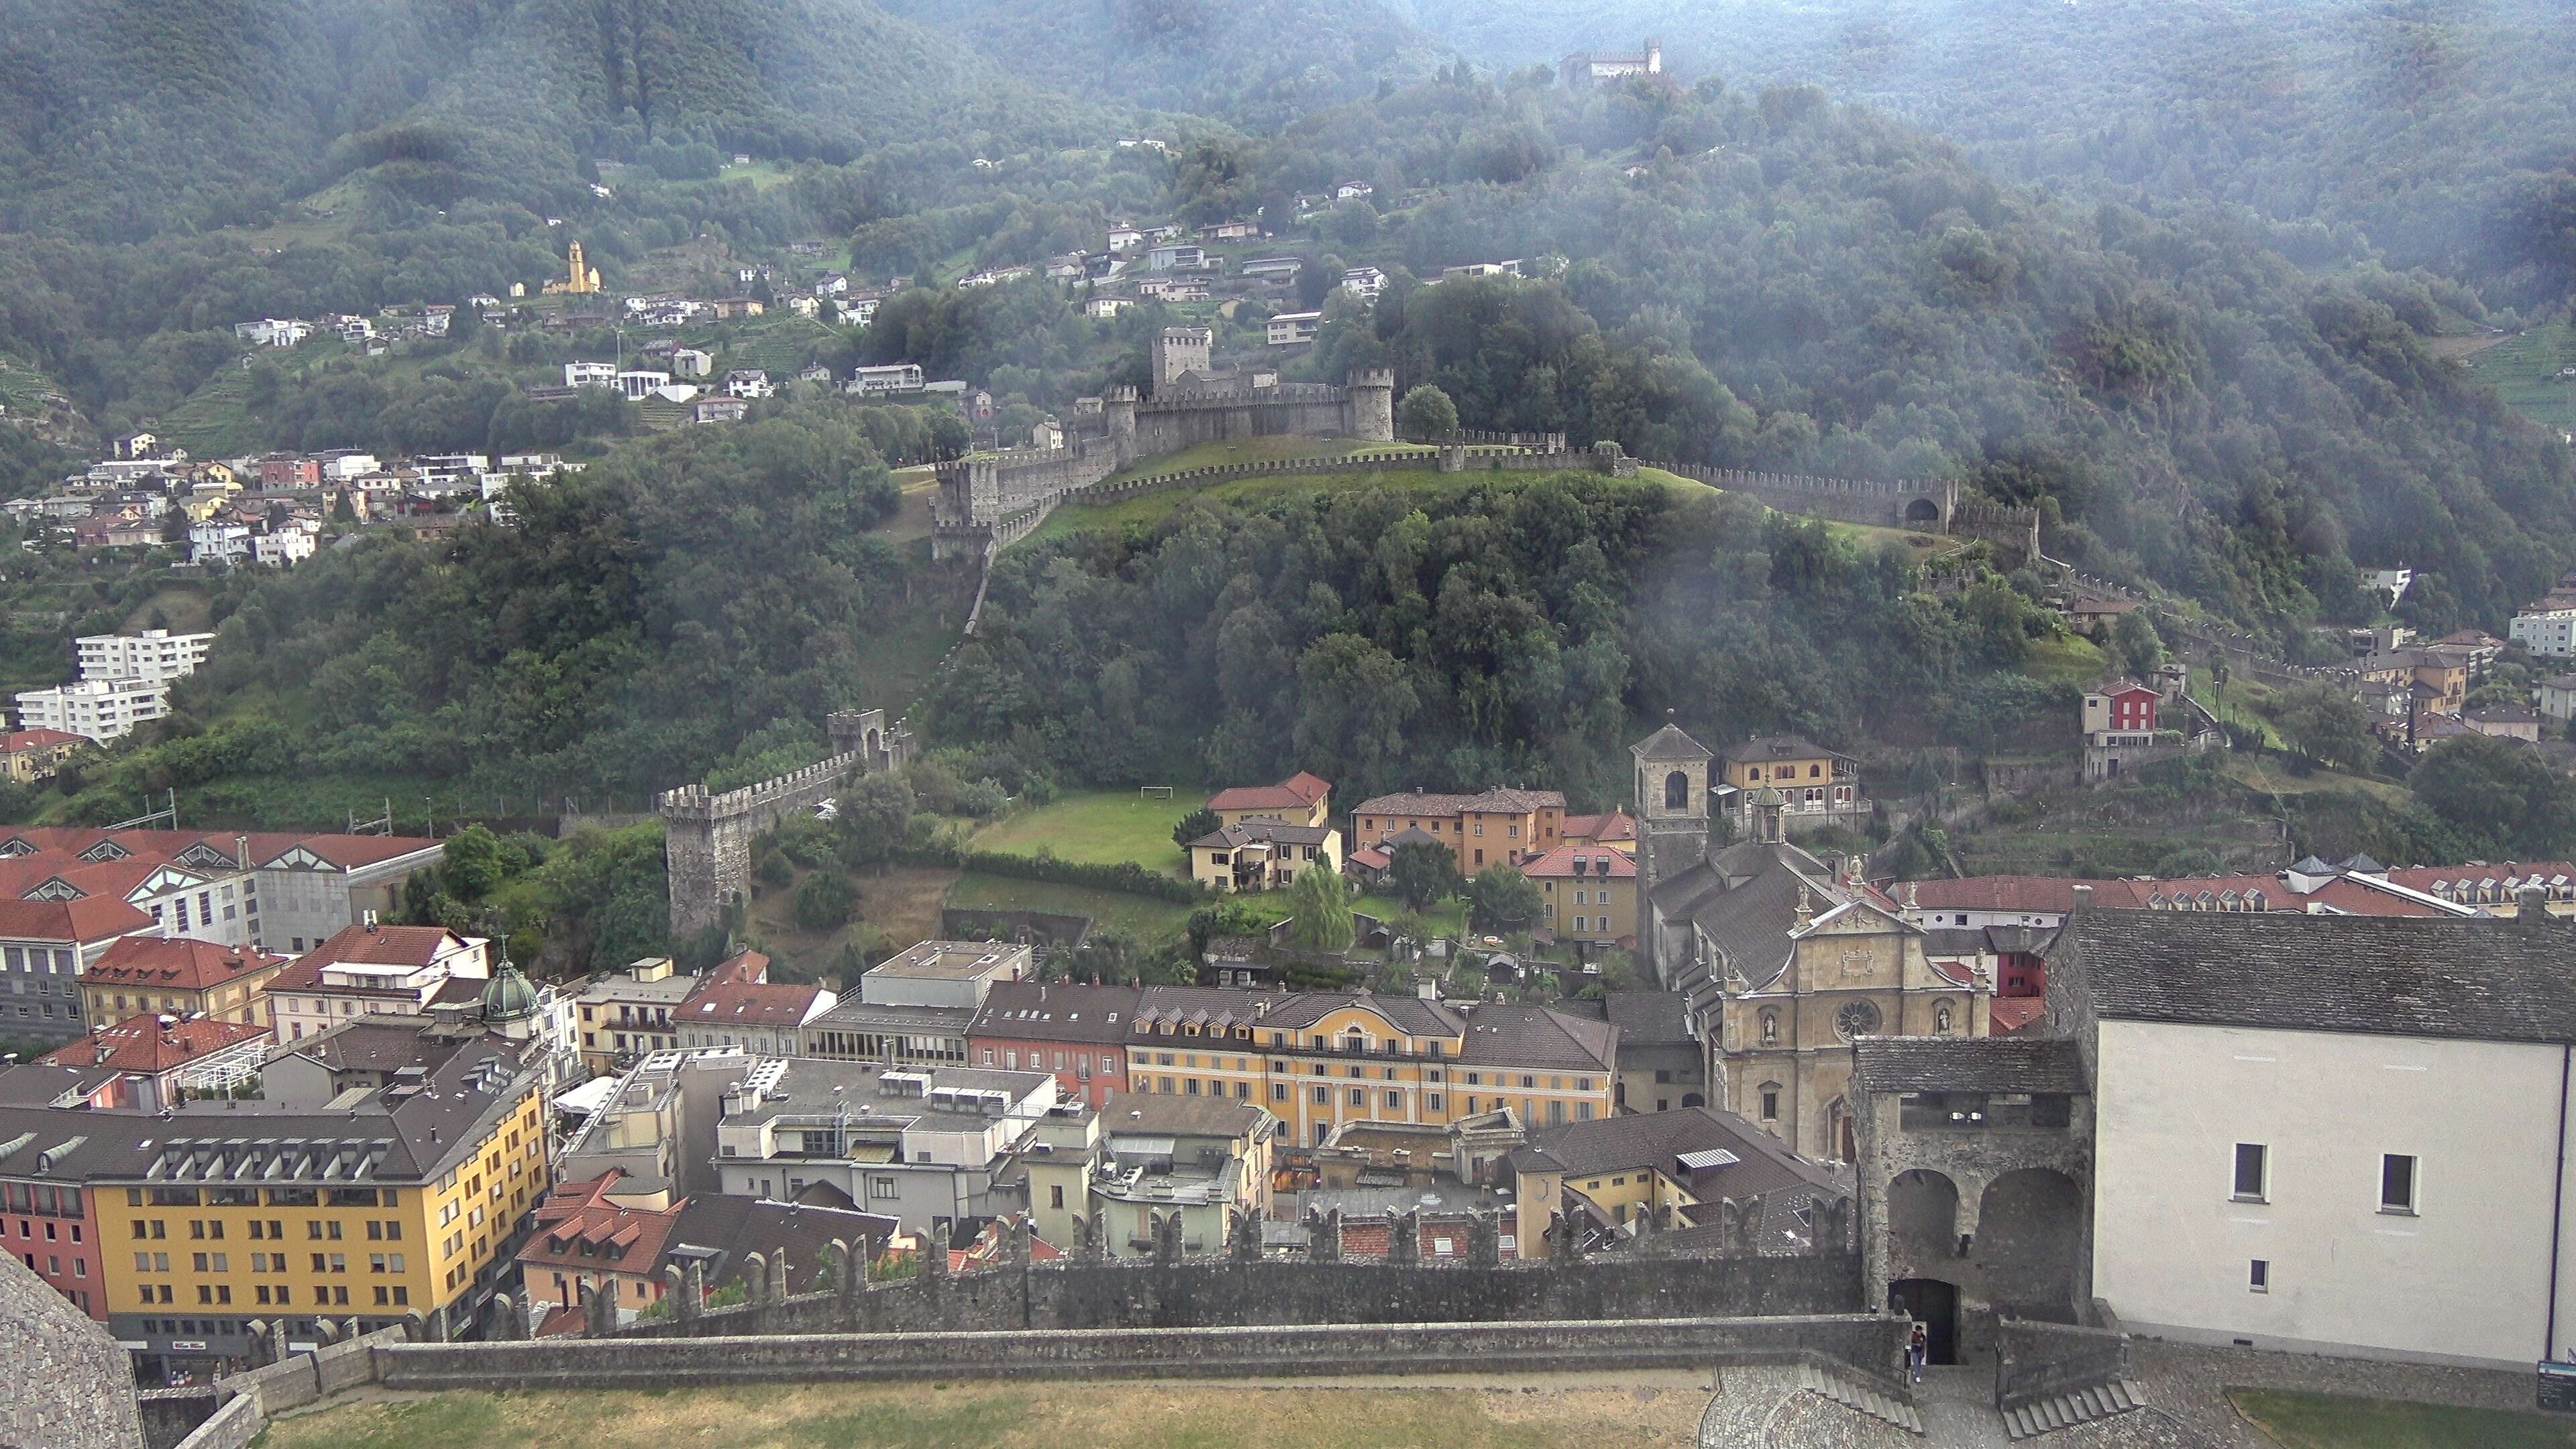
[1917,1350]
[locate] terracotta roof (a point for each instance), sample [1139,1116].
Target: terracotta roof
[1607,829]
[1599,860]
[1298,792]
[184,964]
[742,1003]
[383,945]
[20,741]
[141,1044]
[2012,1013]
[1370,857]
[578,1214]
[743,968]
[94,918]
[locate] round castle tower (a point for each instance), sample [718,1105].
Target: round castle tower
[1369,405]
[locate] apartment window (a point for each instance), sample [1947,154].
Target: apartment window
[1395,1101]
[1431,1101]
[2251,1161]
[1770,1103]
[1055,1196]
[2397,1184]
[1323,1096]
[881,1188]
[2258,1276]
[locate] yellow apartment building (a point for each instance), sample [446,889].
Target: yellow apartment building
[1590,891]
[1317,1060]
[404,1204]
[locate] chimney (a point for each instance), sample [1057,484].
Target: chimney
[2531,906]
[371,923]
[241,850]
[2083,899]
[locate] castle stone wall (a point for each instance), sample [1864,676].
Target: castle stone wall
[707,838]
[1219,1293]
[1866,1341]
[71,1385]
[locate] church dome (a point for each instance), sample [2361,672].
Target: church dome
[1768,798]
[509,997]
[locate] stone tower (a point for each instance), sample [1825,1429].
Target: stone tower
[1182,350]
[1672,815]
[1120,405]
[1370,404]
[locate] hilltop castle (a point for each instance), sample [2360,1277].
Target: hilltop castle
[1193,402]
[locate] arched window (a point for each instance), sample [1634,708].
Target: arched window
[1677,791]
[1770,1028]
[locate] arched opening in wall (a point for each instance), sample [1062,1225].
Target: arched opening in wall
[1935,1305]
[1923,1212]
[2030,1235]
[1922,510]
[876,742]
[1677,791]
[1693,1099]
[1838,1131]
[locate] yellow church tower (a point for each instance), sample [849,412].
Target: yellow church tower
[579,279]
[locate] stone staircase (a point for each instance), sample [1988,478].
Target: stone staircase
[2080,1406]
[1853,1391]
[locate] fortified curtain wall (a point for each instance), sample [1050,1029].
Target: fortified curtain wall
[706,842]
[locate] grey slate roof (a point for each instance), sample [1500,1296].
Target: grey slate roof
[1669,743]
[2476,978]
[1527,1037]
[1657,1139]
[1966,1064]
[1262,832]
[1036,1011]
[1745,899]
[1649,1018]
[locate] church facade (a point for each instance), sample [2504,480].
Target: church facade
[1785,957]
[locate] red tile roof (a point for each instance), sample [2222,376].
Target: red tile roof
[1559,863]
[184,964]
[621,1239]
[2011,1013]
[21,741]
[142,1044]
[743,968]
[364,946]
[1298,792]
[745,1003]
[1607,829]
[96,918]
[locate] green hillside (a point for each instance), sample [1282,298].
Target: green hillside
[2421,131]
[1249,63]
[125,118]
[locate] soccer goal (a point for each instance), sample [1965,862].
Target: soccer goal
[1154,792]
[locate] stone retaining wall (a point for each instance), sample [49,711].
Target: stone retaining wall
[233,1426]
[1869,1341]
[2035,1361]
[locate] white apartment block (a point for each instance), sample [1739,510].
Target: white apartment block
[2548,632]
[95,709]
[155,654]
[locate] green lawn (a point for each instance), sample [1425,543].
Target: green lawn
[1104,1415]
[1150,920]
[1449,918]
[2067,659]
[2524,371]
[1098,827]
[2333,1421]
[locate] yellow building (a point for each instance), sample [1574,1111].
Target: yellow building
[1317,1060]
[1591,893]
[27,756]
[405,1204]
[179,977]
[1260,855]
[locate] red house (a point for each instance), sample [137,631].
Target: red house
[2126,707]
[1079,1033]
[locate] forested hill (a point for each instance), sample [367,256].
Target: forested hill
[120,119]
[2435,131]
[1251,64]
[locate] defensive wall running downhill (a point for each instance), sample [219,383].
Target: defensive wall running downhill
[707,838]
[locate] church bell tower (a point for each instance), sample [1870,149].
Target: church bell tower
[1672,820]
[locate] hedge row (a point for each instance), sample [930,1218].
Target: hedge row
[1126,876]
